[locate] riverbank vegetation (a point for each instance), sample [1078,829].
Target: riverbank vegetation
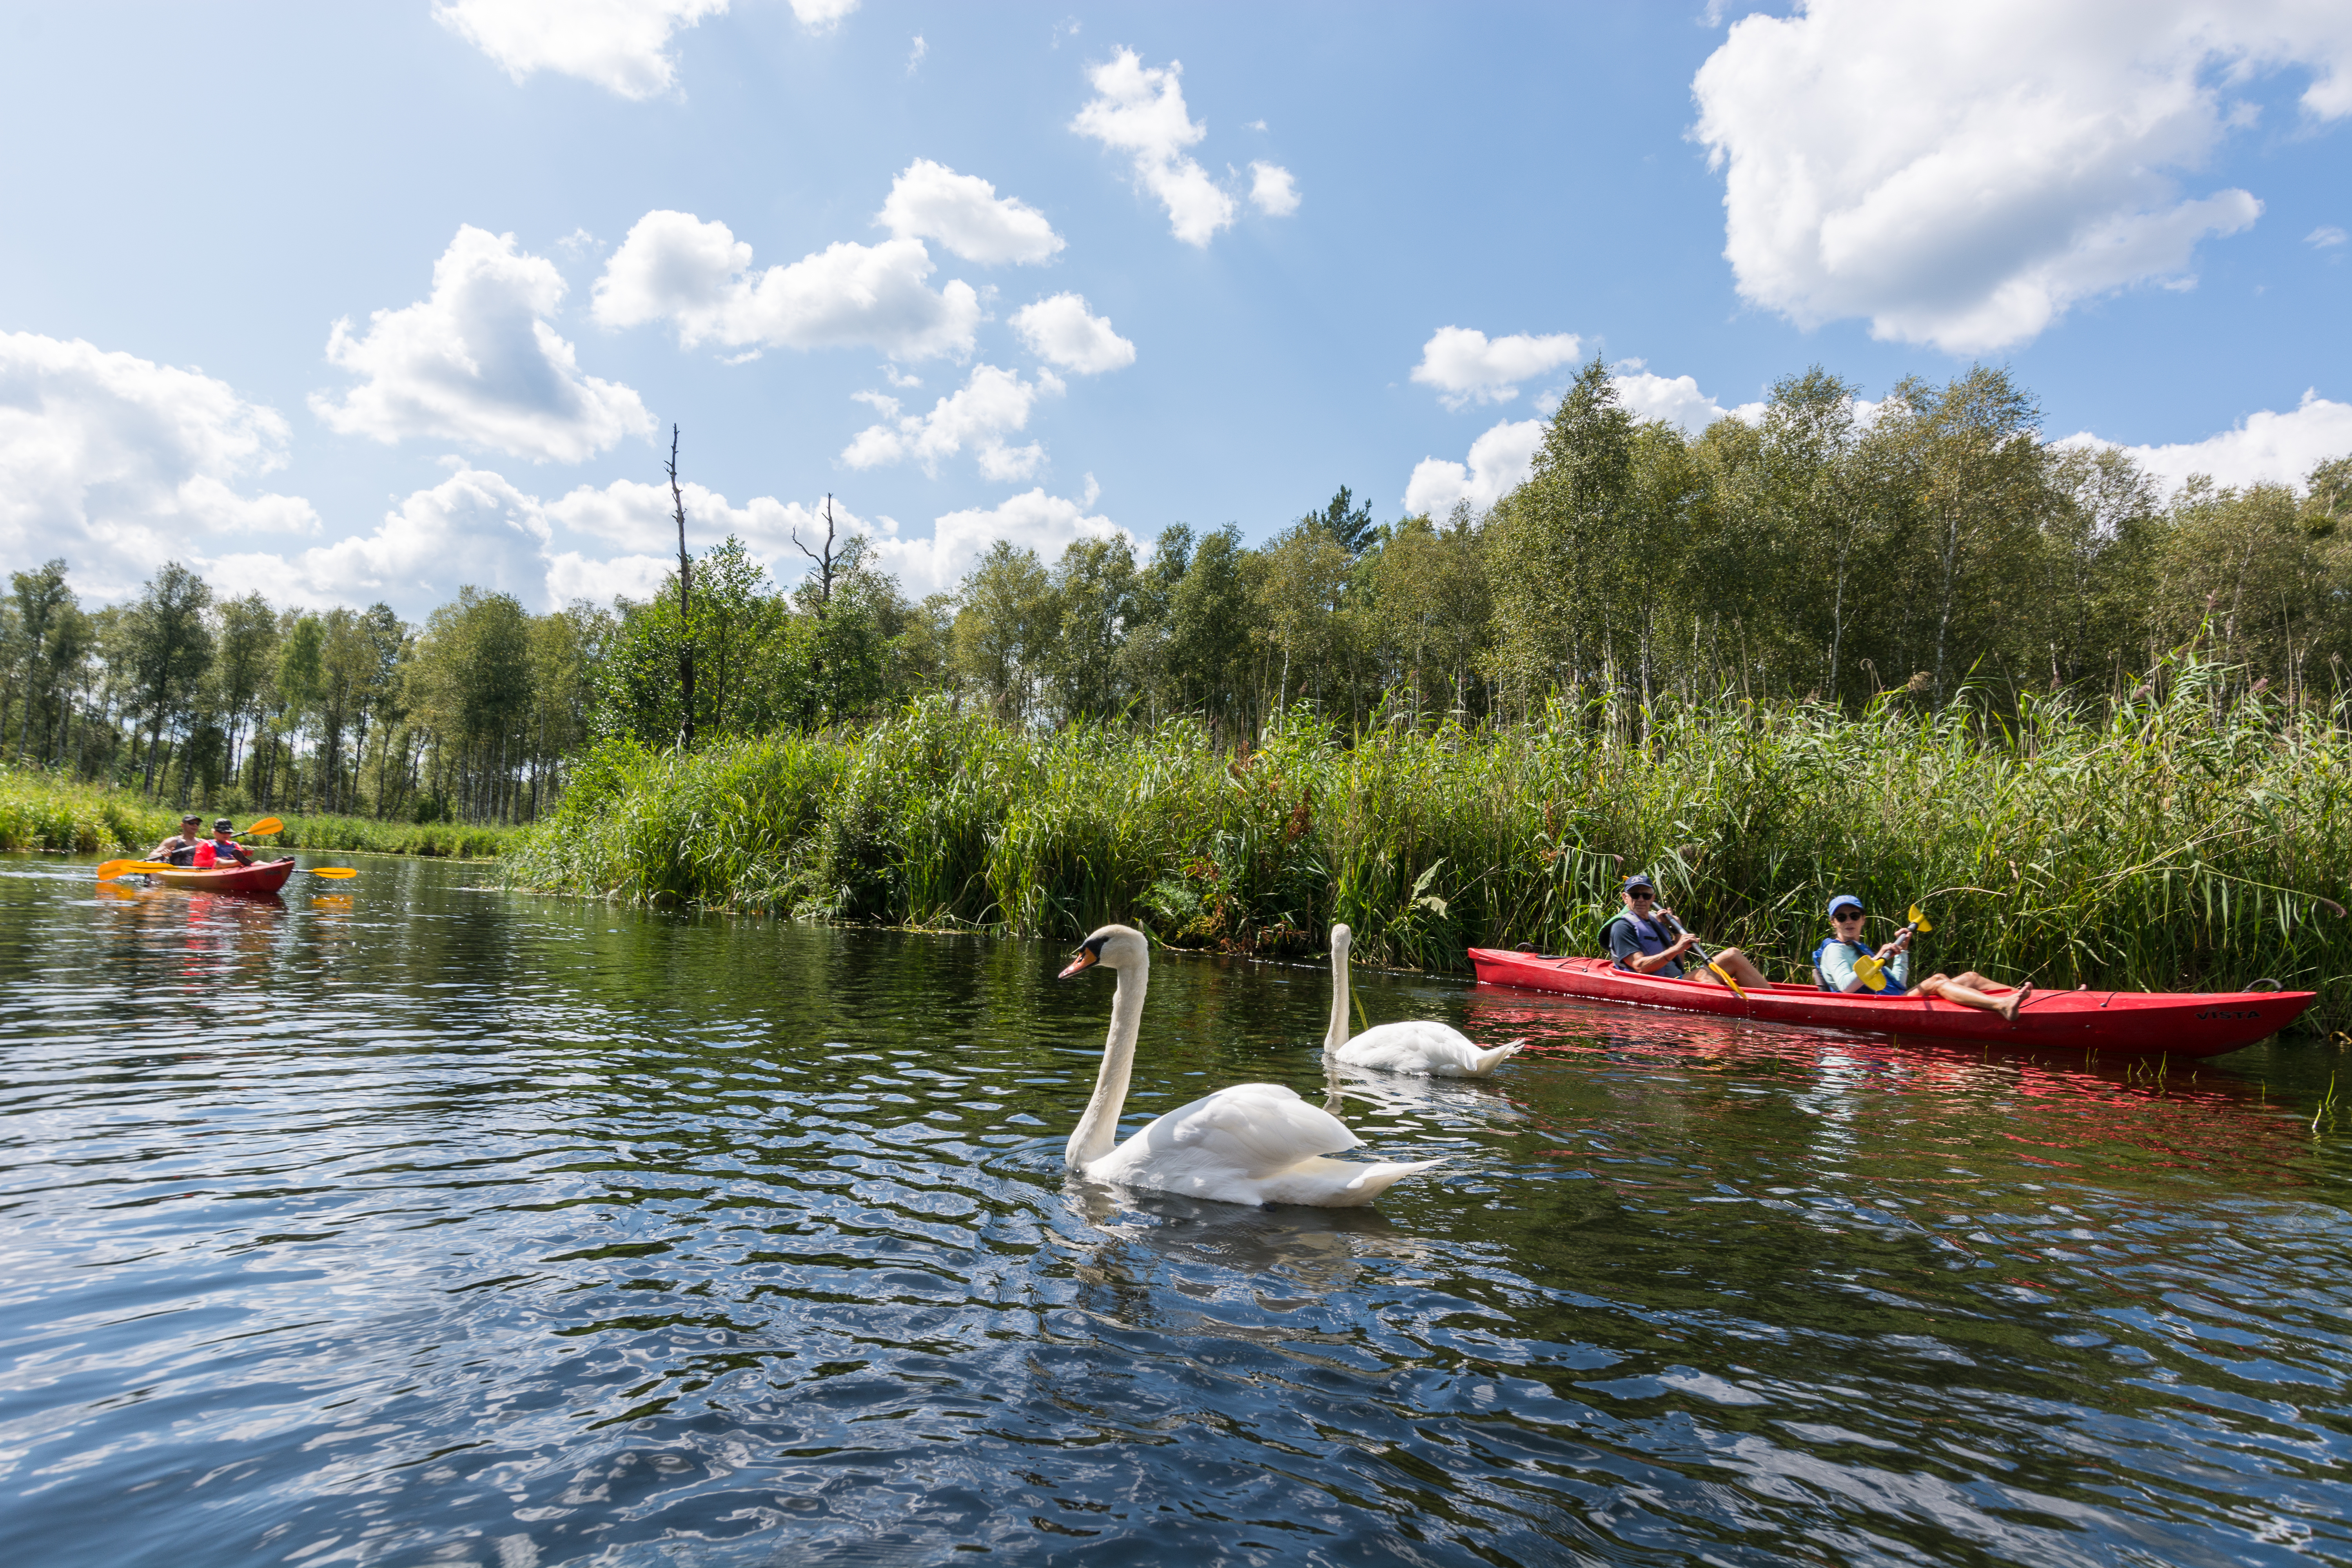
[40,810]
[2190,834]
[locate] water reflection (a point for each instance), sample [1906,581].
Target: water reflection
[418,1224]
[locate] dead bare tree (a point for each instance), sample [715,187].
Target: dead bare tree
[828,566]
[685,606]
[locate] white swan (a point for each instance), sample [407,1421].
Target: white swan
[1251,1143]
[1432,1050]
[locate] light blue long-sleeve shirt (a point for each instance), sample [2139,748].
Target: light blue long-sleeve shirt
[1837,969]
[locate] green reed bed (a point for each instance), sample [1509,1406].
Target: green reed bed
[2176,841]
[39,811]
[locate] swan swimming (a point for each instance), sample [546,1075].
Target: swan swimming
[1432,1050]
[1251,1143]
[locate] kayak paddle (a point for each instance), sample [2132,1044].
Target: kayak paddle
[335,872]
[262,829]
[1871,969]
[1720,973]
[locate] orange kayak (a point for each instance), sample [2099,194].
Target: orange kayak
[2175,1022]
[264,877]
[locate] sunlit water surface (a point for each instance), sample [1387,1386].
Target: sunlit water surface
[420,1223]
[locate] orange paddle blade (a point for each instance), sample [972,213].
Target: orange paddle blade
[266,825]
[338,872]
[114,869]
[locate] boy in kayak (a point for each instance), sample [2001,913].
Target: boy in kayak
[222,850]
[180,849]
[1639,939]
[1834,961]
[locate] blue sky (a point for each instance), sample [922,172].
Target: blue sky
[1231,272]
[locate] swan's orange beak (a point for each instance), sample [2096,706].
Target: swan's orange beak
[1087,959]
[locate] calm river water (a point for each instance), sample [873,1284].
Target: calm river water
[418,1223]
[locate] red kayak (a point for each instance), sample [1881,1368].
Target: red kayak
[2181,1024]
[265,877]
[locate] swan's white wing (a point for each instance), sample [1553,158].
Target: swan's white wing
[1412,1048]
[1250,1131]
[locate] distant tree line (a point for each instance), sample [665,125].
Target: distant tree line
[191,698]
[1831,550]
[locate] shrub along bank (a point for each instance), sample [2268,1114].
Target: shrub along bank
[41,811]
[2175,839]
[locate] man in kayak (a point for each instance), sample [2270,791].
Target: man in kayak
[222,850]
[180,849]
[1640,938]
[1834,961]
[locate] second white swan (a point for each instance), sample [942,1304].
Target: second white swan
[1430,1049]
[1251,1143]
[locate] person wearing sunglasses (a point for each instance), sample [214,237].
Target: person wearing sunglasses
[1641,937]
[1833,962]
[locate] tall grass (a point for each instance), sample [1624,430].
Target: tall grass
[2172,841]
[39,811]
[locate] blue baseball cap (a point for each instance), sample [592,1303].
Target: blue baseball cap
[1638,879]
[1843,898]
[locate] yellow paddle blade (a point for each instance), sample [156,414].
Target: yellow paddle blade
[337,872]
[1725,975]
[1872,973]
[1919,919]
[114,869]
[266,825]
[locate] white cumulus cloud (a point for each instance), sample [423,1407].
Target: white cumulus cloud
[120,464]
[478,527]
[1061,331]
[822,15]
[1139,109]
[696,276]
[1961,174]
[474,527]
[620,45]
[2264,448]
[636,514]
[1272,189]
[477,364]
[964,212]
[1676,399]
[1499,460]
[989,405]
[1467,367]
[1045,524]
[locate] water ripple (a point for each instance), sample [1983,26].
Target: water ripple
[438,1226]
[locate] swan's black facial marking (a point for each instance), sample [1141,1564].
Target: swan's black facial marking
[1088,954]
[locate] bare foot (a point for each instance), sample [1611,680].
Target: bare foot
[2015,1000]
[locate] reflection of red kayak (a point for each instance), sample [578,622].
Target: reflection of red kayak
[2183,1023]
[265,877]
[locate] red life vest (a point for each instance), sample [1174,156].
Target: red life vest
[213,852]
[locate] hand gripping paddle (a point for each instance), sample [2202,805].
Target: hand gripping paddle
[1872,973]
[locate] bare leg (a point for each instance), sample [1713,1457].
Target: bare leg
[1967,992]
[1742,969]
[1734,962]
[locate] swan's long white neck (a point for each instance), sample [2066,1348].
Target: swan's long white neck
[1097,1129]
[1337,1034]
